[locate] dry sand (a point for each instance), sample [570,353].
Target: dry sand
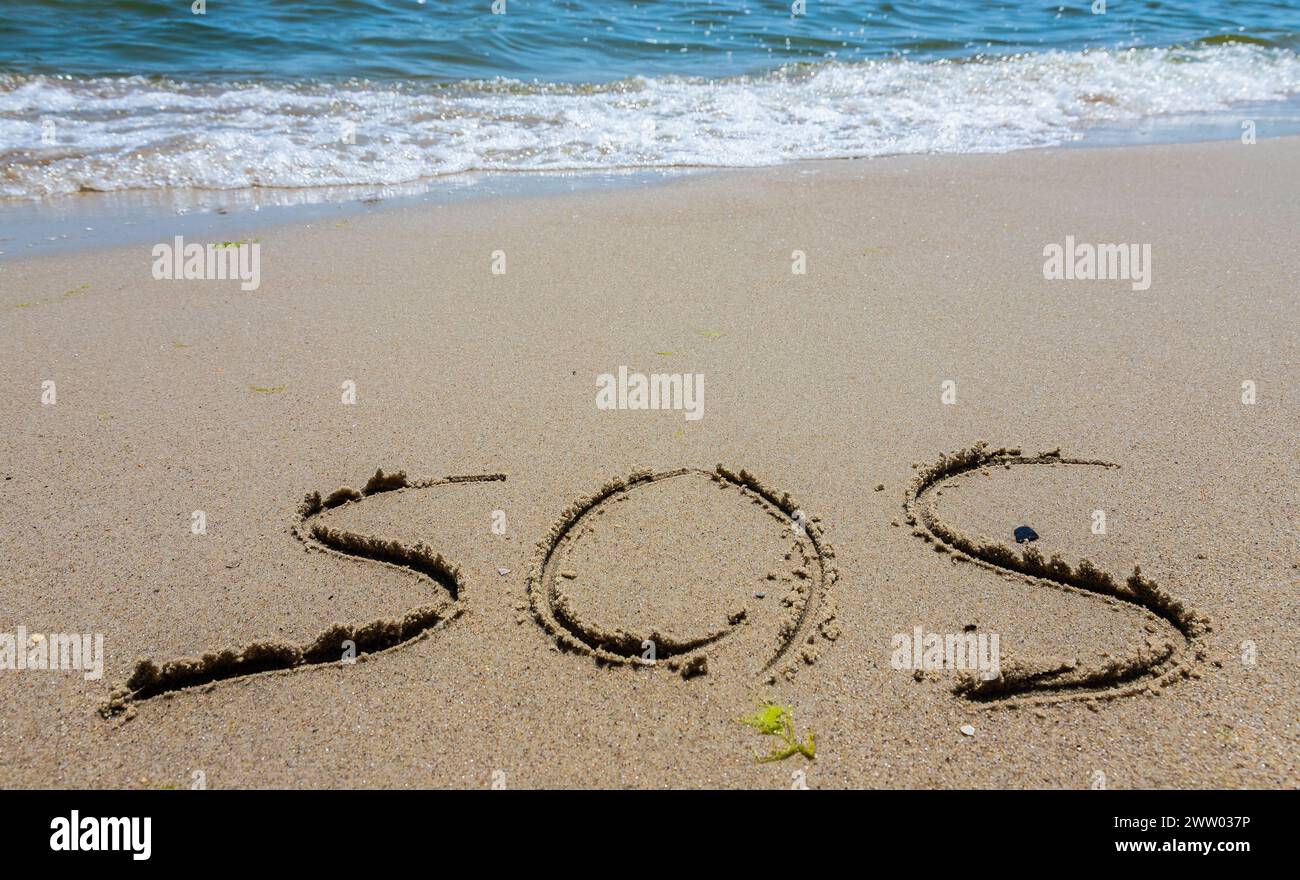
[823,385]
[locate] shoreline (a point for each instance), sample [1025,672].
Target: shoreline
[71,222]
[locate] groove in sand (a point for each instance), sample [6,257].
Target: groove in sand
[151,679]
[1155,665]
[686,656]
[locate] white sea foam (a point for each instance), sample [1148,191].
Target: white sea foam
[132,133]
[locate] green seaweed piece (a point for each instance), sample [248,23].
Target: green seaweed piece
[773,719]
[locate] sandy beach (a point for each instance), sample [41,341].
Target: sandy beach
[474,336]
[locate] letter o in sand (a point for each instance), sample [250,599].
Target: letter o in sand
[715,571]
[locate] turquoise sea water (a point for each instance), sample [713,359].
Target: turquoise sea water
[113,95]
[591,41]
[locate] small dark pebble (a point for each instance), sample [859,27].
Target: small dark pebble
[1025,533]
